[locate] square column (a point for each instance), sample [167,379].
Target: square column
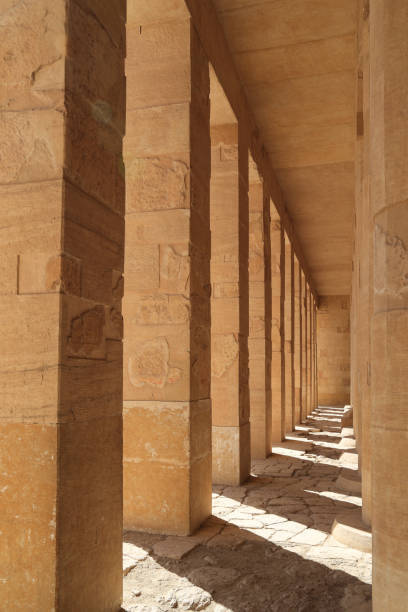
[62,191]
[314,381]
[389,322]
[311,358]
[229,306]
[297,343]
[308,344]
[333,321]
[167,408]
[260,296]
[289,336]
[364,227]
[277,333]
[304,345]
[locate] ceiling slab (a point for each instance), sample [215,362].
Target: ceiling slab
[296,61]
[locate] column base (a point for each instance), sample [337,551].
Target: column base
[167,466]
[231,454]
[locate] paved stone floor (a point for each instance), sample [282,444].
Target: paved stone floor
[268,545]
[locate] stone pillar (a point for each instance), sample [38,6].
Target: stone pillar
[311,342]
[333,321]
[389,380]
[259,343]
[365,229]
[167,409]
[229,305]
[277,337]
[289,324]
[297,355]
[304,343]
[61,240]
[307,349]
[315,386]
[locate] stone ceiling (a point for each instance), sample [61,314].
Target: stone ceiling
[296,60]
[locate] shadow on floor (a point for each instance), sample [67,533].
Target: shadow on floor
[254,575]
[245,572]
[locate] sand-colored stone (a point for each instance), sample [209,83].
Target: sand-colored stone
[289,321]
[260,313]
[297,344]
[230,301]
[333,329]
[277,332]
[268,308]
[167,418]
[388,127]
[62,240]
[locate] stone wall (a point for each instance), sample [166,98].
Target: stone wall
[333,347]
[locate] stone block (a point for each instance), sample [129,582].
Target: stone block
[37,156]
[93,156]
[8,274]
[160,502]
[94,63]
[27,360]
[157,183]
[156,364]
[143,266]
[90,476]
[158,130]
[49,273]
[30,217]
[231,454]
[157,53]
[92,388]
[93,232]
[28,506]
[143,12]
[225,315]
[164,227]
[33,74]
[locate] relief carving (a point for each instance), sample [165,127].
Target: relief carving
[86,339]
[158,184]
[150,365]
[224,352]
[391,265]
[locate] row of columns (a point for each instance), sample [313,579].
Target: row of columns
[379,321]
[210,356]
[217,358]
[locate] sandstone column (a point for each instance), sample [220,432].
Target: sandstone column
[229,305]
[260,296]
[307,345]
[311,343]
[61,240]
[304,343]
[167,409]
[289,332]
[277,337]
[365,270]
[389,391]
[334,350]
[315,388]
[297,343]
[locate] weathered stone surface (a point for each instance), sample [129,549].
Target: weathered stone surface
[229,308]
[174,548]
[64,246]
[167,279]
[333,321]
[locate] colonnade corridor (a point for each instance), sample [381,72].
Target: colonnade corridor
[203,305]
[268,544]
